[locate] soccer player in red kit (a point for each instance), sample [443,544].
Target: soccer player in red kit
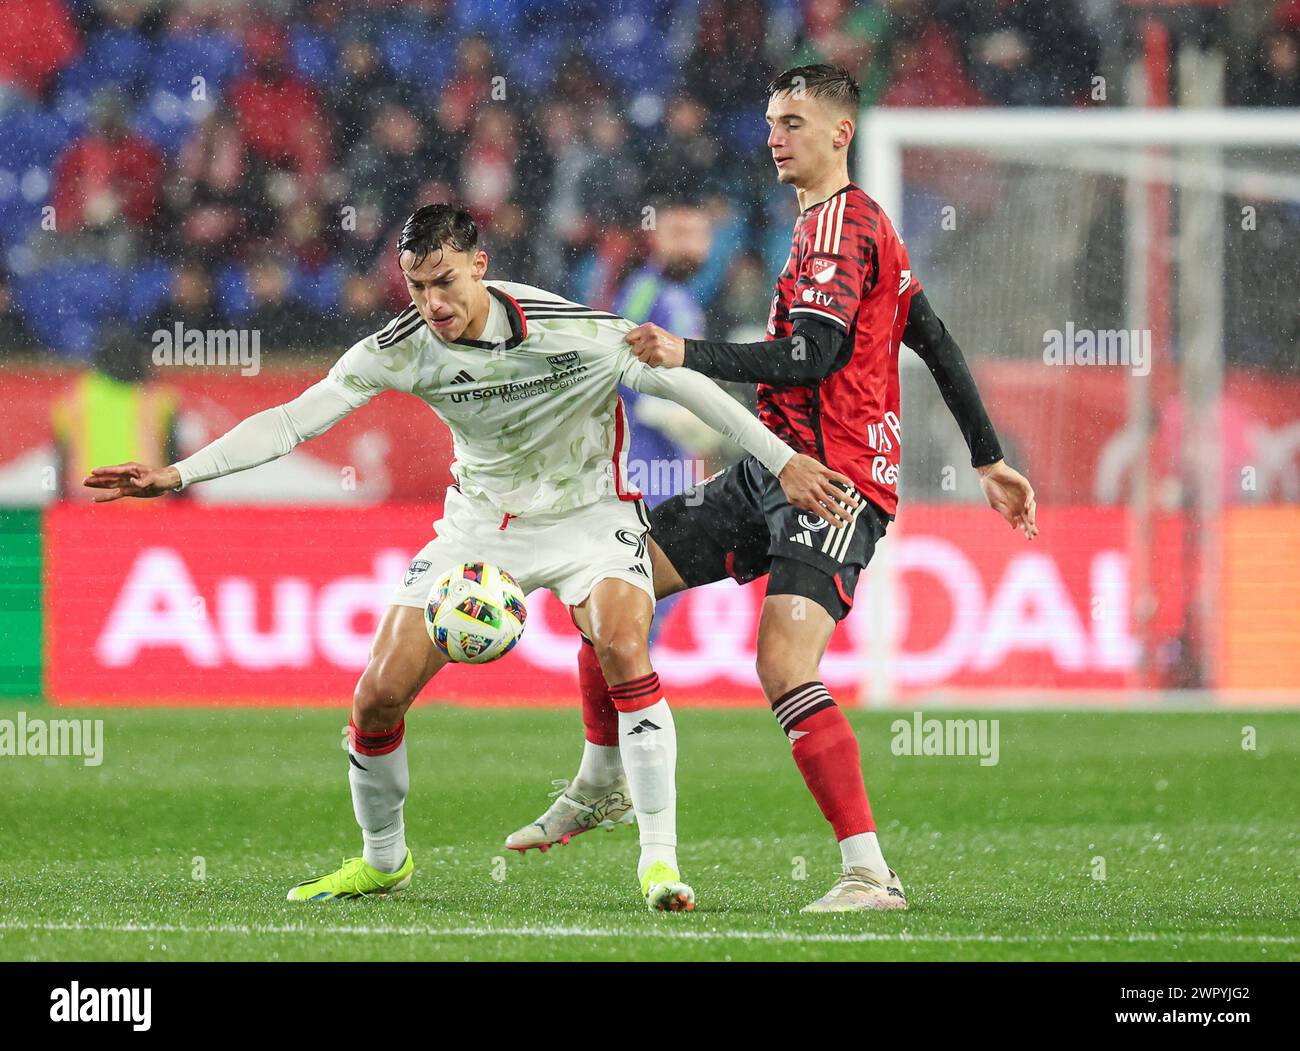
[827,380]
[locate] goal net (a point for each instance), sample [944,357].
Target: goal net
[1124,285]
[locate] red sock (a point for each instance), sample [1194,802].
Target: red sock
[826,752]
[599,715]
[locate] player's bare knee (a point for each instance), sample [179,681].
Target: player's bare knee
[780,670]
[623,653]
[378,704]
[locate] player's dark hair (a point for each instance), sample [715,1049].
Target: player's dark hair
[832,83]
[434,226]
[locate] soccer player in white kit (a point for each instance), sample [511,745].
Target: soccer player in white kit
[528,384]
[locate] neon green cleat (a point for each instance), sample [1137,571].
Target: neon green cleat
[356,879]
[664,890]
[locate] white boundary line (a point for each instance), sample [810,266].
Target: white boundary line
[795,937]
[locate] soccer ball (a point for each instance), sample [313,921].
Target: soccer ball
[475,613]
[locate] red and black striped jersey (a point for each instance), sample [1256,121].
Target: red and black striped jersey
[847,267]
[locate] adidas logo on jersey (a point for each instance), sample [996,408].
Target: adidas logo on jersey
[644,726]
[462,377]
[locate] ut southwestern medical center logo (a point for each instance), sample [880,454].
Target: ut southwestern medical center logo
[566,370]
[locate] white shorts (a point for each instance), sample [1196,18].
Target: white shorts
[566,552]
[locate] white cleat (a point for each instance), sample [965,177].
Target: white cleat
[859,890]
[578,808]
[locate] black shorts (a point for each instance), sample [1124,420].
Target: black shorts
[739,524]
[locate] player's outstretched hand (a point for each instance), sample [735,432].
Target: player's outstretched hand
[1010,494]
[656,346]
[810,486]
[132,479]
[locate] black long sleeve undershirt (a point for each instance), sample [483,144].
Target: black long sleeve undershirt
[810,354]
[816,349]
[929,337]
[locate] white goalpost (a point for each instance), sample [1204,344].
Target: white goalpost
[1018,220]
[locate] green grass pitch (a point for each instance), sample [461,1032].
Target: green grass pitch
[1198,837]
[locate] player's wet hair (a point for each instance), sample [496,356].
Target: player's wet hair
[434,226]
[831,83]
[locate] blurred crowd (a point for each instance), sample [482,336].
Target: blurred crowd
[238,164]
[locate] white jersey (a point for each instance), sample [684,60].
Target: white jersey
[536,420]
[533,406]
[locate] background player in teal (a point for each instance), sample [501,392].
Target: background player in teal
[828,383]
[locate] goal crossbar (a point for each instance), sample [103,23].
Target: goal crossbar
[884,133]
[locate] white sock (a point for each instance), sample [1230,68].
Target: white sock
[648,745]
[601,765]
[863,851]
[379,786]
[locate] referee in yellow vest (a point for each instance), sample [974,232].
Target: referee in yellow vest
[114,412]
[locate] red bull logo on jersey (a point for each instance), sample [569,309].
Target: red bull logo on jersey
[878,438]
[883,435]
[883,471]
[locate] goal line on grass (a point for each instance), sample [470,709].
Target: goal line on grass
[425,930]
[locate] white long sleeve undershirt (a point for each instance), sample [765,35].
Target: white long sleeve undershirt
[269,434]
[716,408]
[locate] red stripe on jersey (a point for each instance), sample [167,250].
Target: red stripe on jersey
[523,318]
[619,442]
